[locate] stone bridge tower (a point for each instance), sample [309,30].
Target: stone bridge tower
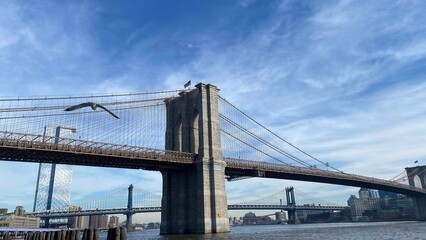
[418,172]
[194,199]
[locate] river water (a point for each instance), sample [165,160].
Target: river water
[326,231]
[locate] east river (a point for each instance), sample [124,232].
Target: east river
[327,231]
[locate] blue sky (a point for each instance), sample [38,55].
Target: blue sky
[344,80]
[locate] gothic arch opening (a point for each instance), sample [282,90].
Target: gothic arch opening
[194,133]
[424,182]
[417,181]
[177,134]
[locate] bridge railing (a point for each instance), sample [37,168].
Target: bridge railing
[40,142]
[265,166]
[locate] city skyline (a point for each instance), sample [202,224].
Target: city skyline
[347,89]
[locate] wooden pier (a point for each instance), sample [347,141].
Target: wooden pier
[119,233]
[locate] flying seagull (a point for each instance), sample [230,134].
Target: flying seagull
[92,105]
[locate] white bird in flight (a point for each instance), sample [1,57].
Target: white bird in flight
[92,105]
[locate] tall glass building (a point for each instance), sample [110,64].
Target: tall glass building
[54,180]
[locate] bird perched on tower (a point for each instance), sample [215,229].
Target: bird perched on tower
[92,105]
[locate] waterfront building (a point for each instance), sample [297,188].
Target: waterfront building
[401,202]
[13,221]
[363,203]
[18,220]
[383,194]
[153,225]
[280,217]
[368,207]
[251,219]
[302,215]
[54,180]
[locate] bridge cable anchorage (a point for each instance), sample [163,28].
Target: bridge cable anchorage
[274,134]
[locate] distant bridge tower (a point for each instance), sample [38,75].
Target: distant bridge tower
[194,199]
[417,177]
[291,202]
[53,180]
[129,212]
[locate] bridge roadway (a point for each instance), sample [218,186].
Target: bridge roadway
[36,148]
[60,214]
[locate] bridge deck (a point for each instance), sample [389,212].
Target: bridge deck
[36,148]
[59,214]
[237,167]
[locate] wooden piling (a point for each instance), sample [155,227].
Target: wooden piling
[91,234]
[53,235]
[96,234]
[63,235]
[28,236]
[117,233]
[7,236]
[68,235]
[123,233]
[109,234]
[85,233]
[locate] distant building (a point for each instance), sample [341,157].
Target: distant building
[153,225]
[103,221]
[18,220]
[383,194]
[3,211]
[13,221]
[363,203]
[113,222]
[400,201]
[302,215]
[373,193]
[19,211]
[98,221]
[367,207]
[251,219]
[280,217]
[77,221]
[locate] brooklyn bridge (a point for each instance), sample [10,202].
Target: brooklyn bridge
[195,138]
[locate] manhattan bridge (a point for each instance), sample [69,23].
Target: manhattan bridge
[194,137]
